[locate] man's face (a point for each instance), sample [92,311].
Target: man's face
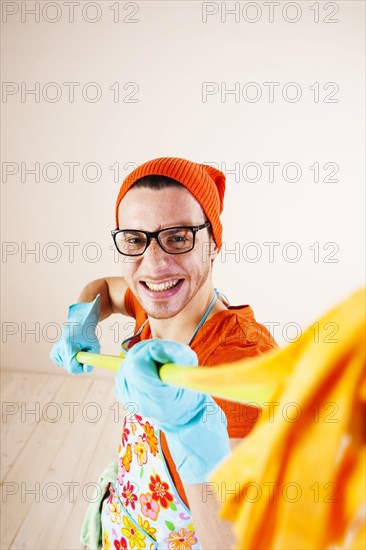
[163,283]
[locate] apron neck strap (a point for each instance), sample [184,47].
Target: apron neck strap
[206,314]
[131,340]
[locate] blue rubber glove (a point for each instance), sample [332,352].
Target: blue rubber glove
[197,436]
[77,335]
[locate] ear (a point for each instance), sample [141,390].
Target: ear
[214,252]
[209,251]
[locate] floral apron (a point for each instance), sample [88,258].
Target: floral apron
[143,509]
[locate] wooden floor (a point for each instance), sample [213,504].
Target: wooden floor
[58,432]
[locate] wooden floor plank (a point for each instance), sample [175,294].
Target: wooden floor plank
[12,382]
[15,387]
[54,455]
[25,399]
[68,467]
[105,452]
[35,460]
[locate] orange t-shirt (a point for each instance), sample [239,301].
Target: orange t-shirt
[229,335]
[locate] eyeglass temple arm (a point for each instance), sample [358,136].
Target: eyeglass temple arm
[189,378]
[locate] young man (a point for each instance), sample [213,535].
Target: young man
[168,232]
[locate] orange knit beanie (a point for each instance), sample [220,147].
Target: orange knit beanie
[206,184]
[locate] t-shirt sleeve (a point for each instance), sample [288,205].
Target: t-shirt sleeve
[133,309]
[130,303]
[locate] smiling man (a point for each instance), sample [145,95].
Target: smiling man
[168,273]
[168,233]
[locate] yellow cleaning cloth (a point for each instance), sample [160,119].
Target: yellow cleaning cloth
[299,477]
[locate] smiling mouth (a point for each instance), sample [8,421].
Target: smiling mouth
[160,287]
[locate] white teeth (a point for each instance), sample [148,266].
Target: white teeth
[162,286]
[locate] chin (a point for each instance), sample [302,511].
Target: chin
[162,311]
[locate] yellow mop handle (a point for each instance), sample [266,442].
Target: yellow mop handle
[109,362]
[190,378]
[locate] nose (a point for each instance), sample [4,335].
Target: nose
[155,254]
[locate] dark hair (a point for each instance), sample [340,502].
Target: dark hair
[156,182]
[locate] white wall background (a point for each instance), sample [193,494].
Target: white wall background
[168,50]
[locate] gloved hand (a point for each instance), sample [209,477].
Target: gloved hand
[194,425]
[78,335]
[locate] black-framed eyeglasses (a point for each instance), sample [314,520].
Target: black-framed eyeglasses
[173,240]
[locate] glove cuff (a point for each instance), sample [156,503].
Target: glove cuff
[85,312]
[199,447]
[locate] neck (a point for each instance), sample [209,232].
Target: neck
[181,327]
